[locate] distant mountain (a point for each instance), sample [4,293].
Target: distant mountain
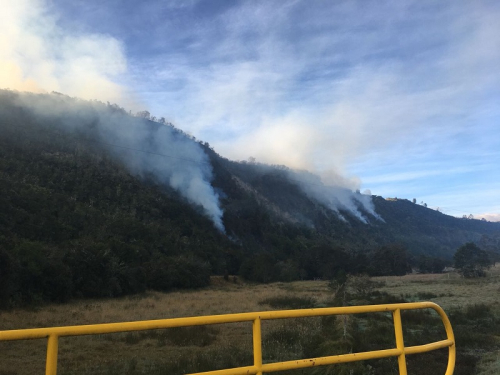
[97,202]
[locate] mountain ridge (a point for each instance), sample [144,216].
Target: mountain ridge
[117,204]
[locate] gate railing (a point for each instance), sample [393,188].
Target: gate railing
[258,368]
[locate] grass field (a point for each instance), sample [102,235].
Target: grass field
[179,350]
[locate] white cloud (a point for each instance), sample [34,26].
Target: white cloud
[402,88]
[36,54]
[414,175]
[347,80]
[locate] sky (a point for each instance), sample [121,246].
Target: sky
[398,98]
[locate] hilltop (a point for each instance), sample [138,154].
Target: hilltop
[99,202]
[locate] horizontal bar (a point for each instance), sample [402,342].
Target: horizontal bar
[330,360]
[104,328]
[248,370]
[343,358]
[428,347]
[253,316]
[302,363]
[352,357]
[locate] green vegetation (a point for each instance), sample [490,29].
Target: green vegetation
[76,222]
[471,261]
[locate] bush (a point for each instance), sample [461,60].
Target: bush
[392,259]
[166,273]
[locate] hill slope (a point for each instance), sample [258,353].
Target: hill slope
[96,202]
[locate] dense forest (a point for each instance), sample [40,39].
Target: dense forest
[97,202]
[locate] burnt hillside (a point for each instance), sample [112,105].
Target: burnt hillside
[97,202]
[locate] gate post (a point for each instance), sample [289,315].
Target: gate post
[51,365]
[400,344]
[257,345]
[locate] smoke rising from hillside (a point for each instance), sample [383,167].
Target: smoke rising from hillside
[332,190]
[147,149]
[39,55]
[335,194]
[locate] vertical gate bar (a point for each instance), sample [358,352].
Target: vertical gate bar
[257,345]
[449,333]
[400,344]
[51,365]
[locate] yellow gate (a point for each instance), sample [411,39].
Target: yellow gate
[258,368]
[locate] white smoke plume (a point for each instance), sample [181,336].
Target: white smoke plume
[146,148]
[336,194]
[38,55]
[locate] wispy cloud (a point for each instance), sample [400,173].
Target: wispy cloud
[464,200]
[411,176]
[318,86]
[402,89]
[401,93]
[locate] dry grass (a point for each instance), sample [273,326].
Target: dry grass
[490,364]
[450,289]
[97,354]
[453,291]
[28,357]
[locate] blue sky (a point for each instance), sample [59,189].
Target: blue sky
[399,97]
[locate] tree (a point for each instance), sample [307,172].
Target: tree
[143,114]
[471,261]
[428,264]
[391,259]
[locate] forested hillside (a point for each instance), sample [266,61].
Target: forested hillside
[97,202]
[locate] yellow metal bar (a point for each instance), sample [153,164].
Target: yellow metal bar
[51,364]
[344,358]
[330,360]
[428,347]
[231,371]
[257,346]
[54,333]
[452,350]
[94,329]
[400,344]
[309,362]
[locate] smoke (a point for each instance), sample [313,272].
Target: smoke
[148,149]
[336,195]
[301,146]
[172,157]
[489,217]
[38,55]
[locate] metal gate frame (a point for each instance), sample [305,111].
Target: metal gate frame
[258,368]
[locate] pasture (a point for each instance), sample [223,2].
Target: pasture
[202,348]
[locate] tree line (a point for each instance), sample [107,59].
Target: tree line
[76,223]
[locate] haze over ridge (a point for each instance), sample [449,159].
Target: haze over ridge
[401,94]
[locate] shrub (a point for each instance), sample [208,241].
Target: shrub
[166,273]
[471,261]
